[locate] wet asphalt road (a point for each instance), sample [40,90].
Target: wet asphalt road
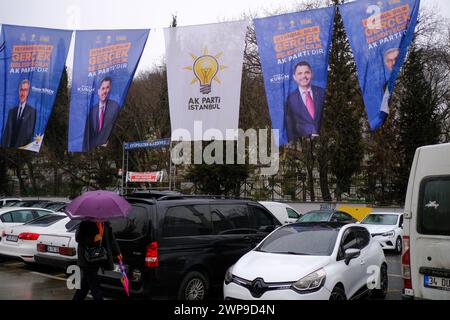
[19,281]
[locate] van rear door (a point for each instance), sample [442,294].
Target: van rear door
[430,258]
[133,236]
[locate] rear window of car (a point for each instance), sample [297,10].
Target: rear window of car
[45,221]
[134,226]
[190,220]
[6,217]
[72,225]
[22,216]
[301,240]
[434,206]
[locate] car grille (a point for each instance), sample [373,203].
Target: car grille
[258,286]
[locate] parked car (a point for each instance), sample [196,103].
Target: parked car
[180,246]
[327,216]
[282,211]
[56,205]
[58,247]
[20,241]
[386,228]
[7,201]
[12,216]
[310,261]
[30,203]
[426,240]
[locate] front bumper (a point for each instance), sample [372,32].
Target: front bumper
[235,291]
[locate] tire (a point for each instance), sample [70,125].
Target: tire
[338,293]
[195,286]
[384,284]
[398,246]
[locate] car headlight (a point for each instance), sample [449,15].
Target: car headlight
[389,234]
[229,275]
[313,281]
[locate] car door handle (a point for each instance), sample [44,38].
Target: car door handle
[247,238]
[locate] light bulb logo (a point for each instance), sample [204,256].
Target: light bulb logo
[206,68]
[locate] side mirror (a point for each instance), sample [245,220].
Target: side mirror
[351,254]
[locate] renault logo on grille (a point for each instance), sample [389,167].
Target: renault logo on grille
[258,287]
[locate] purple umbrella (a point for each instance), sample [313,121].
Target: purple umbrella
[98,205]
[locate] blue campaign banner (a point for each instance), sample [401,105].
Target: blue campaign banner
[104,66]
[294,50]
[380,32]
[31,64]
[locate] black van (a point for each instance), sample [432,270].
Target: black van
[179,247]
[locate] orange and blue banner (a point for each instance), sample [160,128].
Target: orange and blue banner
[31,64]
[104,66]
[380,32]
[294,50]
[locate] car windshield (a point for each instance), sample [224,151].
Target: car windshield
[381,219]
[46,220]
[301,240]
[315,216]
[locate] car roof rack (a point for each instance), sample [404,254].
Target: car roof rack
[220,197]
[151,194]
[140,200]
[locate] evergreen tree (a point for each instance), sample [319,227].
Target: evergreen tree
[418,122]
[56,133]
[4,179]
[340,148]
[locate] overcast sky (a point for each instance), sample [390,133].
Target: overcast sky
[140,14]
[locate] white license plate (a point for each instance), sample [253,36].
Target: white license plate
[12,238]
[52,249]
[437,283]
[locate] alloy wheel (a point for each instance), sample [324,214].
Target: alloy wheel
[195,290]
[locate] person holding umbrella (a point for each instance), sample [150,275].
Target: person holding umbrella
[97,246]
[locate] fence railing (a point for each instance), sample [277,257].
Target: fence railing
[270,188]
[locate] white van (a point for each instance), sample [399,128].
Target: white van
[426,241]
[282,211]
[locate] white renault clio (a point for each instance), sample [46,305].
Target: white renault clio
[386,228]
[310,261]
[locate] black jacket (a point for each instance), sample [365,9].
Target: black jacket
[86,232]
